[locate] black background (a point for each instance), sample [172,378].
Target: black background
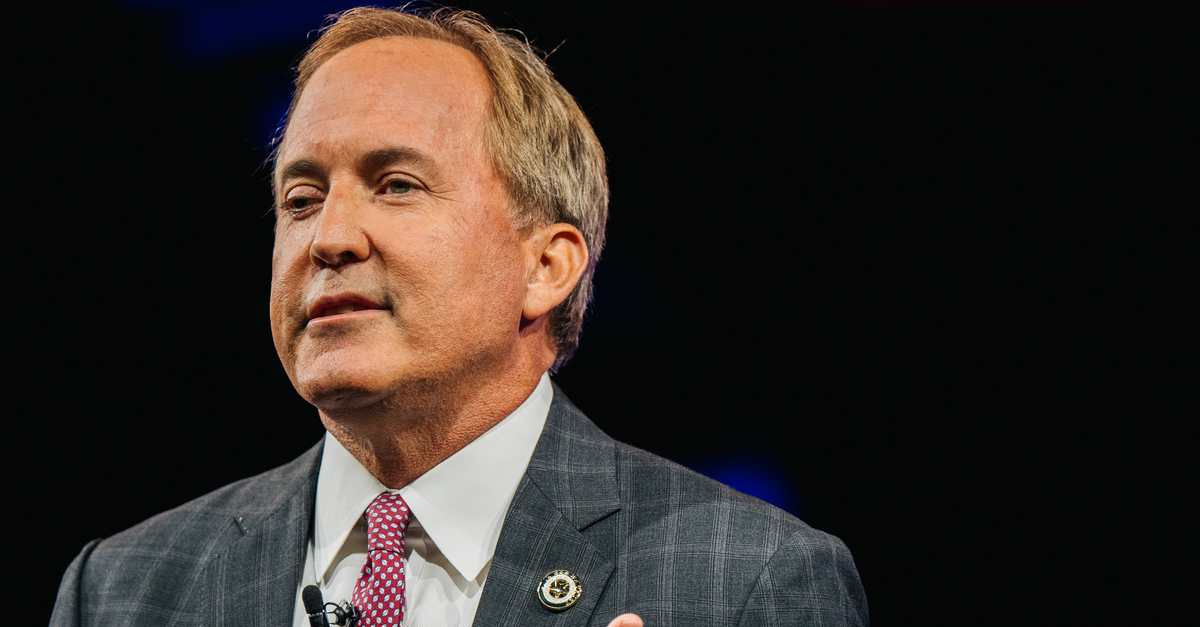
[918,255]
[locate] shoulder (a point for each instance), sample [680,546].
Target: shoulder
[720,552]
[230,509]
[690,550]
[655,491]
[161,560]
[651,483]
[662,496]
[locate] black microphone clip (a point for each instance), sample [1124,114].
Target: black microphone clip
[345,614]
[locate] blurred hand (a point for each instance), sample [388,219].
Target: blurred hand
[626,620]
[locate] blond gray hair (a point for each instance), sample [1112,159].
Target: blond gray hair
[542,146]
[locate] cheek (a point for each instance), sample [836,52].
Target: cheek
[489,261]
[458,277]
[289,260]
[279,306]
[290,243]
[287,283]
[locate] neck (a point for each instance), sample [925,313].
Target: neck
[400,440]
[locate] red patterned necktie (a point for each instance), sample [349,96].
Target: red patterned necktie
[379,594]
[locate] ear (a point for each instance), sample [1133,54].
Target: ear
[557,256]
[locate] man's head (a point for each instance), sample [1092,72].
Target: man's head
[542,147]
[429,222]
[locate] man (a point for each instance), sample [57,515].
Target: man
[440,205]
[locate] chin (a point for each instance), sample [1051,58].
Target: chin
[342,399]
[339,391]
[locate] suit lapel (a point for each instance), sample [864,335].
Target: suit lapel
[254,581]
[570,485]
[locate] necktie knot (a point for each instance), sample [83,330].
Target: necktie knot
[387,518]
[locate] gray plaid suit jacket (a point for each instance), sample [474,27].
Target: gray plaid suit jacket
[643,535]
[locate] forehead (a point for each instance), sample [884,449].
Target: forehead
[425,90]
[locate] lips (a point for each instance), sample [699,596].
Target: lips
[339,309]
[340,304]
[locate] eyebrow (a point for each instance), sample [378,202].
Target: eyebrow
[380,159]
[368,163]
[302,168]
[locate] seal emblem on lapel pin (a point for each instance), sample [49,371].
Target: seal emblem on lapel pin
[559,590]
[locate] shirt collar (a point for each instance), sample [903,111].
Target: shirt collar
[461,503]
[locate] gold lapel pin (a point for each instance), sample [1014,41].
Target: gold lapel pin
[559,590]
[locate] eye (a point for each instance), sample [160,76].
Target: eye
[302,199]
[399,187]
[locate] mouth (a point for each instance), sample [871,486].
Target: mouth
[340,309]
[340,305]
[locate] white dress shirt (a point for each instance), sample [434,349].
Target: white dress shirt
[457,509]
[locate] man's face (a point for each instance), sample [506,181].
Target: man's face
[396,264]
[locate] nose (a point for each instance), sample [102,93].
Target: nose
[341,236]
